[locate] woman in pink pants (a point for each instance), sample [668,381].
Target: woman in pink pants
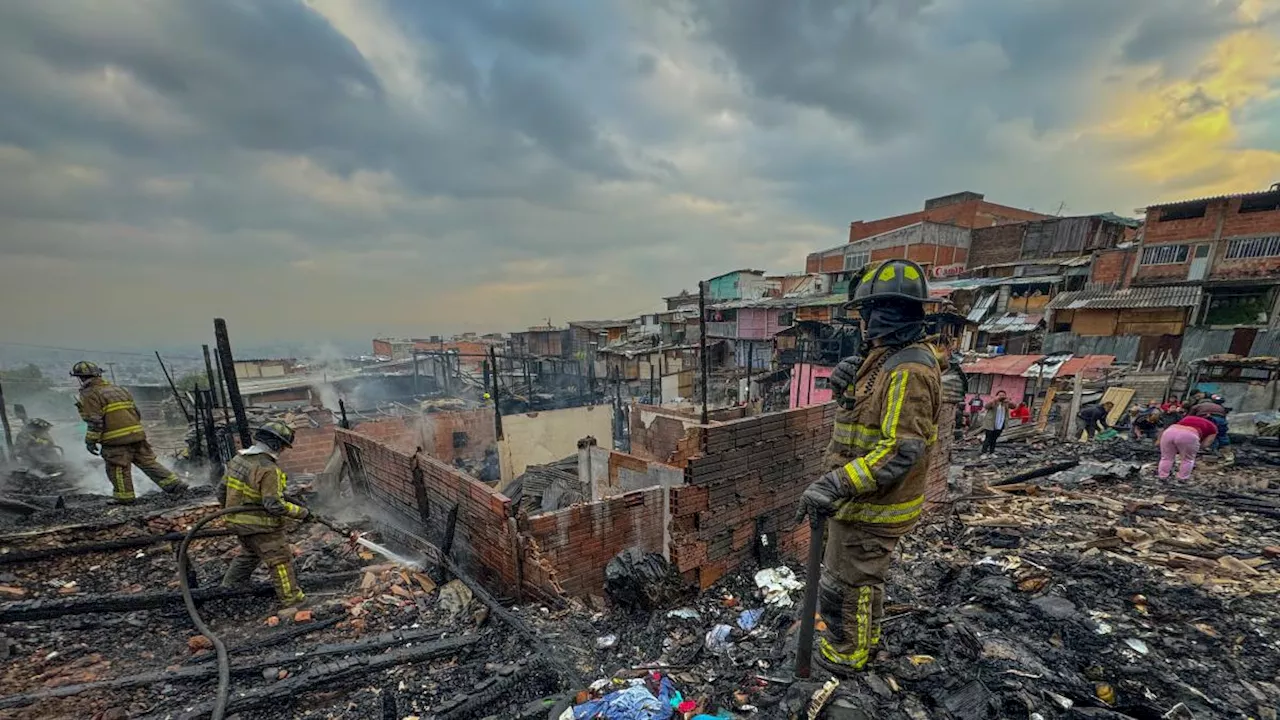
[1183,440]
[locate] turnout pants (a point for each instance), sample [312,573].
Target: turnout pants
[120,460]
[851,593]
[270,549]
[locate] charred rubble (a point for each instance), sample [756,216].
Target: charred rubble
[1085,588]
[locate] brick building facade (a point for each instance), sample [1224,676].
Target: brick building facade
[1230,245]
[963,209]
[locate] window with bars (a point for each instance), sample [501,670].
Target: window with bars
[1243,248]
[855,260]
[1164,254]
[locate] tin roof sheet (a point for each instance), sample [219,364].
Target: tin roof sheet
[1084,364]
[1002,365]
[1162,296]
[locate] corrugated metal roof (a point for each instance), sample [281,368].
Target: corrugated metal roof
[972,283]
[1084,364]
[1148,297]
[1002,365]
[1013,323]
[982,307]
[1210,198]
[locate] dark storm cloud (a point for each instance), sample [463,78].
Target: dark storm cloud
[404,150]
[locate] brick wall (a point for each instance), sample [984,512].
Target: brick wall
[664,435]
[1111,267]
[994,245]
[421,491]
[749,469]
[568,550]
[440,427]
[936,492]
[312,446]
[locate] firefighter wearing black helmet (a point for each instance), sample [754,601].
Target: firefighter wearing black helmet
[886,418]
[114,431]
[254,478]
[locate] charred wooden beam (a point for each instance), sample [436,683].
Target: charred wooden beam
[330,675]
[1036,473]
[200,672]
[104,546]
[46,608]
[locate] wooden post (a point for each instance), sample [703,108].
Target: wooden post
[1078,390]
[4,420]
[228,363]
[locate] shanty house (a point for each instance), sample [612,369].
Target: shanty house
[1139,323]
[990,375]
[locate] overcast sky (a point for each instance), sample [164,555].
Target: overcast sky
[336,169]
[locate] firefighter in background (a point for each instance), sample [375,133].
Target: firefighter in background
[34,446]
[115,432]
[253,478]
[887,417]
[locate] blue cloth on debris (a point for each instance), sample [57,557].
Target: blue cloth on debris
[633,703]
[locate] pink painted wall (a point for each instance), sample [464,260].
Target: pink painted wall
[759,323]
[1014,387]
[802,391]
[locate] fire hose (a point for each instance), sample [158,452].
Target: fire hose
[224,662]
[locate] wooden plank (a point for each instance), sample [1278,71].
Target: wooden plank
[1121,397]
[1042,421]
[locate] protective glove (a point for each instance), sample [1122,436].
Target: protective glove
[92,447]
[953,386]
[845,374]
[306,514]
[821,498]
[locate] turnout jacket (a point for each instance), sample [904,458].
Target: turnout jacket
[254,478]
[110,414]
[882,442]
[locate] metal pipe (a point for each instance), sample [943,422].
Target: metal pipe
[228,363]
[808,611]
[181,405]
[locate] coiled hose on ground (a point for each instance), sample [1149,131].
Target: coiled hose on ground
[224,663]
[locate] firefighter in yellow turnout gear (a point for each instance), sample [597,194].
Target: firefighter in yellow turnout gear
[34,446]
[887,417]
[114,430]
[254,478]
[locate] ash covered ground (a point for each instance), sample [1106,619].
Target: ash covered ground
[1095,592]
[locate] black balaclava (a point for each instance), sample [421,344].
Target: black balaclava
[891,322]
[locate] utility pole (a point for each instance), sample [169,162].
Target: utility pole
[750,360]
[181,405]
[497,387]
[702,344]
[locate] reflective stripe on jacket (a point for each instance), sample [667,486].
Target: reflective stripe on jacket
[882,443]
[255,479]
[110,414]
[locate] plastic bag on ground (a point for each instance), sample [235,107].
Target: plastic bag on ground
[777,584]
[750,618]
[641,581]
